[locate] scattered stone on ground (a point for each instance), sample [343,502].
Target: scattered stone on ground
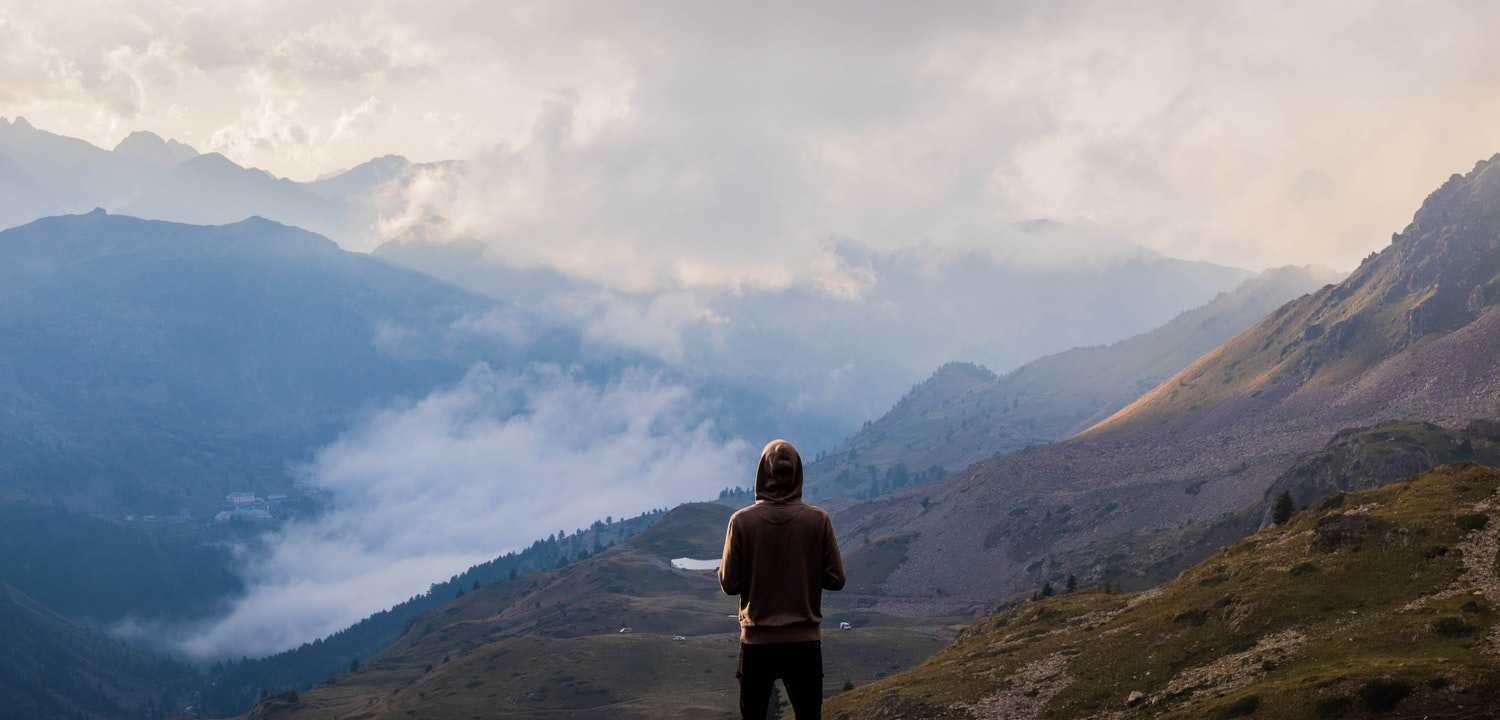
[1232,671]
[1027,694]
[1479,577]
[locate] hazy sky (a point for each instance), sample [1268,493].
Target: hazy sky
[1253,134]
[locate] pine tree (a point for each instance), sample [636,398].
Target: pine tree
[1282,510]
[1072,583]
[1047,590]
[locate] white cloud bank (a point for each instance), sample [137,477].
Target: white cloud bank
[423,491]
[689,141]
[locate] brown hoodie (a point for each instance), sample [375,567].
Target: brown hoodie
[780,555]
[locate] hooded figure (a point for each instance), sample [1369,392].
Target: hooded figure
[779,556]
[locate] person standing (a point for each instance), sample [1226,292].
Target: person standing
[780,554]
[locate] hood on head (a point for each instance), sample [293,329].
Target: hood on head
[779,477]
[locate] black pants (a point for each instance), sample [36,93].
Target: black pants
[798,665]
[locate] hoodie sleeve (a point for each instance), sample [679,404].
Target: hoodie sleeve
[730,578]
[833,562]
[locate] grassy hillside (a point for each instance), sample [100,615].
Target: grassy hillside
[549,644]
[1375,604]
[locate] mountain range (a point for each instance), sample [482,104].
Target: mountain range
[965,413]
[907,312]
[44,174]
[1411,334]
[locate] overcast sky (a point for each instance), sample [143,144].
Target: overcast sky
[1255,135]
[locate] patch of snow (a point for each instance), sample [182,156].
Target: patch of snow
[692,564]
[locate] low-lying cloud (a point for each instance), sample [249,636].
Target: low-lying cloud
[424,490]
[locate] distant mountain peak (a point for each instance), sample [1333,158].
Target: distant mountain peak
[261,221]
[218,165]
[140,137]
[148,147]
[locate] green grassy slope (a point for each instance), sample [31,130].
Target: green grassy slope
[1375,604]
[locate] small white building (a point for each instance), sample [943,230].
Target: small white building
[845,626]
[240,498]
